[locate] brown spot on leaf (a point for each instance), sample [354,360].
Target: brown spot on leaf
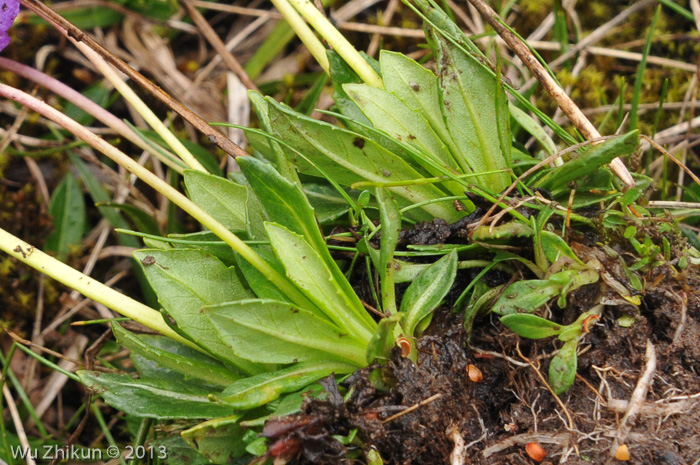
[359,142]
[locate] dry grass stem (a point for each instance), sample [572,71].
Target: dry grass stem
[17,420]
[673,159]
[218,44]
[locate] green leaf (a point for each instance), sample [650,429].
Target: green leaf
[282,201]
[477,118]
[266,331]
[390,217]
[248,393]
[153,398]
[312,275]
[349,157]
[328,204]
[427,291]
[175,356]
[289,404]
[532,127]
[272,150]
[257,281]
[206,241]
[531,326]
[389,113]
[528,296]
[418,88]
[288,206]
[225,200]
[383,340]
[562,368]
[555,247]
[219,440]
[68,210]
[588,162]
[171,274]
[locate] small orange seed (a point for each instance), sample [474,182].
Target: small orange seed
[474,373]
[535,451]
[622,453]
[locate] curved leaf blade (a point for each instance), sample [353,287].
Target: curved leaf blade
[476,114]
[311,274]
[153,398]
[175,356]
[349,157]
[531,326]
[427,291]
[260,389]
[267,331]
[170,273]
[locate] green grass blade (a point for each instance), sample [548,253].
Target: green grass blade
[636,95]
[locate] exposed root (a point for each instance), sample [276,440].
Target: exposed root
[683,299]
[460,450]
[637,399]
[652,410]
[560,439]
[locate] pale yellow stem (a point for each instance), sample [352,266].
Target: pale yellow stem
[86,285]
[302,30]
[336,40]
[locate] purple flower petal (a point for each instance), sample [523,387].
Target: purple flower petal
[9,9]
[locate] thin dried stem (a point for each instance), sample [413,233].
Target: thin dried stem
[414,407]
[17,420]
[218,45]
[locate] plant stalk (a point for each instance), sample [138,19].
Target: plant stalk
[302,30]
[336,40]
[564,101]
[139,105]
[86,285]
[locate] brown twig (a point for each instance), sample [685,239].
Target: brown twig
[410,409]
[20,340]
[67,28]
[218,44]
[550,85]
